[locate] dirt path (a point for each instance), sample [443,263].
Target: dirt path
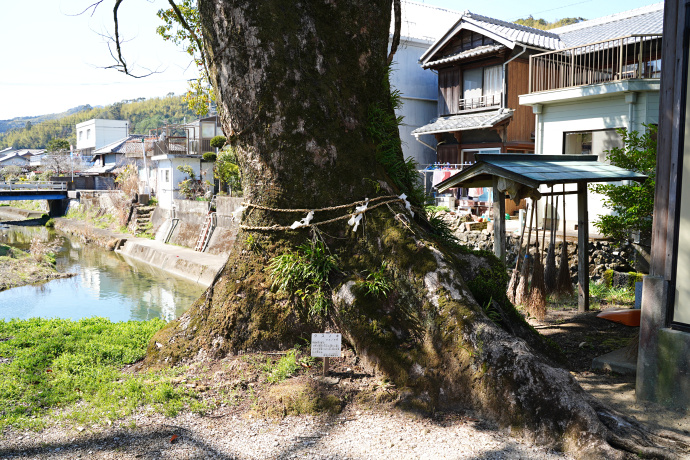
[583,336]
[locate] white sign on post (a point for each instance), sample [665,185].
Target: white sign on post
[326,345]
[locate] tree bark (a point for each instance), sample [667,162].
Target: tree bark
[297,83]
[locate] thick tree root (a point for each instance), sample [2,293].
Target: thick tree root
[446,334]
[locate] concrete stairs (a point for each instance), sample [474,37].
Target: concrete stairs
[140,223]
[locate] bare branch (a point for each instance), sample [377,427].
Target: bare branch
[93,6]
[396,34]
[117,38]
[121,64]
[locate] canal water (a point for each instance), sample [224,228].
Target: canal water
[107,284]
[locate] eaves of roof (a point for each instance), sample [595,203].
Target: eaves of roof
[480,50]
[465,122]
[507,33]
[534,170]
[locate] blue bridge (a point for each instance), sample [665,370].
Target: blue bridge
[54,192]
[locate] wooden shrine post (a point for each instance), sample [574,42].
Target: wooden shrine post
[583,249]
[499,208]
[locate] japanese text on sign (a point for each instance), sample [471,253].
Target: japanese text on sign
[326,345]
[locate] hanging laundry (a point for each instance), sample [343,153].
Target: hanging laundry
[437,178]
[475,192]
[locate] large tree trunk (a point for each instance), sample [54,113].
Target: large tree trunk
[297,84]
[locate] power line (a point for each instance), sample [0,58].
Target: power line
[557,8]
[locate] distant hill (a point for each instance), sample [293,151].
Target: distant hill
[20,122]
[143,114]
[544,25]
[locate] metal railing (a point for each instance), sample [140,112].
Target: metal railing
[179,145]
[39,186]
[489,100]
[622,58]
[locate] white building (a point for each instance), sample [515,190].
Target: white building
[96,133]
[421,25]
[178,145]
[606,76]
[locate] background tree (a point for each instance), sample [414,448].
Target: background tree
[227,170]
[632,204]
[58,159]
[545,25]
[181,25]
[303,94]
[142,114]
[58,145]
[11,172]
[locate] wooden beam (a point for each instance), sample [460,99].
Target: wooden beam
[582,249]
[573,192]
[499,208]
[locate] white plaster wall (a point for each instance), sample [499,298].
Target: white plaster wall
[164,190]
[419,92]
[147,186]
[103,132]
[589,115]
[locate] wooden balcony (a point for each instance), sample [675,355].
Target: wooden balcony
[622,58]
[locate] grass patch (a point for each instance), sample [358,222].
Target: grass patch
[72,370]
[29,205]
[612,295]
[285,367]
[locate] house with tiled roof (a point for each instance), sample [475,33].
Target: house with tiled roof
[604,77]
[18,157]
[482,65]
[508,88]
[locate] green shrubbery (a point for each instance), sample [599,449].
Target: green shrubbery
[632,204]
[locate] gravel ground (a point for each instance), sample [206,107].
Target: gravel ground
[351,434]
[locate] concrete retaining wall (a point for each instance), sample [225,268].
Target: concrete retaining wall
[9,213]
[191,216]
[200,268]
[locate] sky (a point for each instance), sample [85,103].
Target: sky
[52,58]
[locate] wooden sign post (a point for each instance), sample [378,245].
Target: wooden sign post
[326,345]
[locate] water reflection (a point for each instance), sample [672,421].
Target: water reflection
[107,285]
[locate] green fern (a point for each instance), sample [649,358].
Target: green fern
[304,273]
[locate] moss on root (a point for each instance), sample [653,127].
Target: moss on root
[297,397]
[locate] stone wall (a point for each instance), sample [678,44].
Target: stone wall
[98,199]
[603,255]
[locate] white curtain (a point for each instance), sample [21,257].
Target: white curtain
[493,82]
[472,84]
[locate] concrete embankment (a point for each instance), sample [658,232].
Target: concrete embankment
[8,213]
[89,234]
[183,262]
[186,263]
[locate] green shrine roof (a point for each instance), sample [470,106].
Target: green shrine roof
[534,170]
